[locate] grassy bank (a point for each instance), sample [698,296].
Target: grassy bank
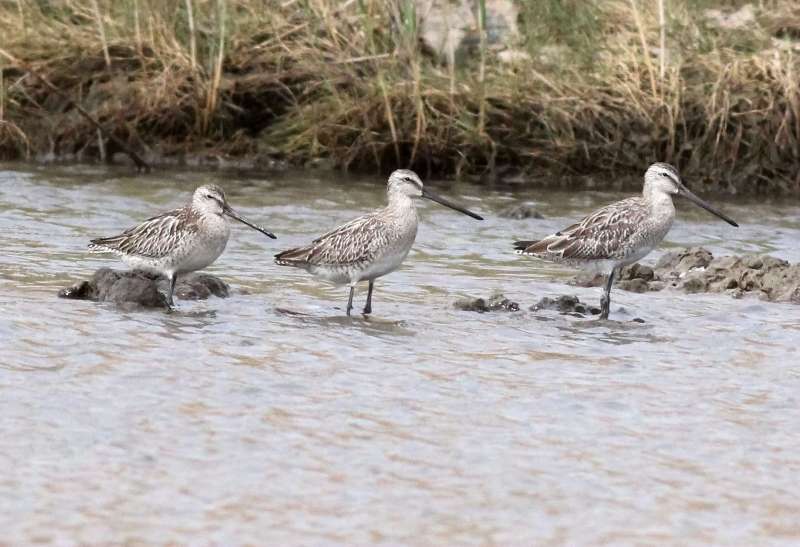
[348,82]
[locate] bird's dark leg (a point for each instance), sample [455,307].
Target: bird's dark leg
[368,307]
[605,301]
[350,300]
[172,279]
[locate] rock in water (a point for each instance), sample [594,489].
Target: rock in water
[199,286]
[131,288]
[636,278]
[565,304]
[696,270]
[496,302]
[693,258]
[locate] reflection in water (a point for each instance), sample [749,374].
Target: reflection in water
[361,323]
[574,327]
[613,332]
[271,417]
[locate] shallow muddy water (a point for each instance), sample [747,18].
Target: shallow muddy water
[271,418]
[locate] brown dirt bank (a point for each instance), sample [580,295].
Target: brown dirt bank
[590,92]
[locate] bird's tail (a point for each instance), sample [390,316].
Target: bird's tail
[103,245]
[293,257]
[522,246]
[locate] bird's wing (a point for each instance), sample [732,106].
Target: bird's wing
[156,237]
[599,236]
[352,243]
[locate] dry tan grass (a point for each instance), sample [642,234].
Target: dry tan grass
[348,81]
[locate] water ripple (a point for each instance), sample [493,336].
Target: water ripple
[270,417]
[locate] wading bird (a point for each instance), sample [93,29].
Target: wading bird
[620,233]
[372,245]
[181,241]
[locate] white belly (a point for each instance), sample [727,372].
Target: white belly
[387,263]
[347,275]
[157,266]
[338,275]
[201,256]
[638,254]
[206,245]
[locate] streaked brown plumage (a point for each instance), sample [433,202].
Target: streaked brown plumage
[353,244]
[156,237]
[614,232]
[179,241]
[372,245]
[620,233]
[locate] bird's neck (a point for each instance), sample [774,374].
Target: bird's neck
[402,208]
[660,202]
[210,218]
[398,201]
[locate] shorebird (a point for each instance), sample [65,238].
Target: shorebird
[181,241]
[620,233]
[372,245]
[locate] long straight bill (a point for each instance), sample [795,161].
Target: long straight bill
[699,202]
[231,213]
[447,203]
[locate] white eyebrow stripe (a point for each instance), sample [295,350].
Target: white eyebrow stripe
[671,176]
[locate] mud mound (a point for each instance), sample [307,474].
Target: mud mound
[136,289]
